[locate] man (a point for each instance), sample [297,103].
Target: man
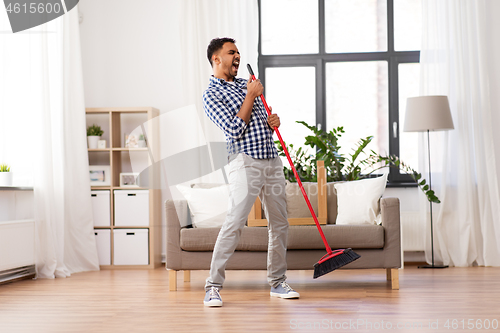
[254,168]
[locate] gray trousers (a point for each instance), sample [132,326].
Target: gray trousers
[249,178]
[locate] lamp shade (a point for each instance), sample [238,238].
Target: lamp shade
[428,113]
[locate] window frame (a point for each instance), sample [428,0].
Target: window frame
[319,61]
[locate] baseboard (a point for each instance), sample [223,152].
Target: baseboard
[15,274]
[414,257]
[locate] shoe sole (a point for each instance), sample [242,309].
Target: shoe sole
[286,296]
[213,303]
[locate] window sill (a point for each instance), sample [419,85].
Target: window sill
[402,184]
[16,188]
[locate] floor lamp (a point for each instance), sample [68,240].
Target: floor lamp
[425,114]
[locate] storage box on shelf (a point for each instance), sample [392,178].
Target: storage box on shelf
[101,208]
[103,242]
[131,208]
[127,220]
[130,246]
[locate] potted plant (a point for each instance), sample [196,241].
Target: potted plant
[142,141]
[358,165]
[94,133]
[5,175]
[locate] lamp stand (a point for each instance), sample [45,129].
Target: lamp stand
[430,205]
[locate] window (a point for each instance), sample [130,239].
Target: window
[343,63]
[30,80]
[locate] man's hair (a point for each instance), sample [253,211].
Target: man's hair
[215,45]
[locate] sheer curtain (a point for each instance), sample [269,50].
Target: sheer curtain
[18,74]
[203,21]
[200,142]
[458,59]
[45,108]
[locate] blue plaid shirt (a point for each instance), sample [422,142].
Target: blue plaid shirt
[222,101]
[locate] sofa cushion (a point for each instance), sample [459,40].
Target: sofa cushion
[207,206]
[358,201]
[296,205]
[299,238]
[194,239]
[306,237]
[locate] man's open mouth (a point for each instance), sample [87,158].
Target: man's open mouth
[236,64]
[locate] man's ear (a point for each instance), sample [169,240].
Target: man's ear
[215,59]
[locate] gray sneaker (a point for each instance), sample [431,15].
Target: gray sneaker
[283,290]
[212,297]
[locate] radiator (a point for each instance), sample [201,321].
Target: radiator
[413,231]
[17,249]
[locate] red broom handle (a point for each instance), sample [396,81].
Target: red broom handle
[328,249]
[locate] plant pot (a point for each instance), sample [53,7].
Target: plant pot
[92,141]
[5,178]
[142,143]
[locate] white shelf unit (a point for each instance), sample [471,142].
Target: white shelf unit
[117,156]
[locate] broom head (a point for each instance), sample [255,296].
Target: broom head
[334,260]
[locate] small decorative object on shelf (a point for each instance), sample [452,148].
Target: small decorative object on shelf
[5,175]
[100,175]
[94,133]
[131,141]
[142,141]
[129,179]
[101,144]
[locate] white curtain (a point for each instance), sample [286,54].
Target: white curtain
[63,211]
[459,59]
[194,132]
[18,74]
[203,21]
[43,106]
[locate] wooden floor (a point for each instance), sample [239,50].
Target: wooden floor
[139,301]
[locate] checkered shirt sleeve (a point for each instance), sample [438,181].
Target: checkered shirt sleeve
[232,125]
[221,102]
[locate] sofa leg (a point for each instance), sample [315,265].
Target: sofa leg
[393,277]
[187,276]
[172,280]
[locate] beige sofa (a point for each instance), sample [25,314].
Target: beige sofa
[378,245]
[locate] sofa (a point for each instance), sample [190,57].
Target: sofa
[379,245]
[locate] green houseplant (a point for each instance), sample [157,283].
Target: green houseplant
[5,175]
[94,133]
[357,165]
[142,141]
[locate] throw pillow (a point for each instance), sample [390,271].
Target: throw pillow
[358,201]
[208,206]
[296,205]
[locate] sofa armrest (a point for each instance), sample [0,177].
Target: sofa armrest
[392,226]
[176,215]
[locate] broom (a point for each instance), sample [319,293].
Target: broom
[332,259]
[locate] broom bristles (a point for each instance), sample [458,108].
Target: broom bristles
[333,263]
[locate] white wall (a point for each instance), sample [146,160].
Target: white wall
[130,55]
[131,52]
[408,196]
